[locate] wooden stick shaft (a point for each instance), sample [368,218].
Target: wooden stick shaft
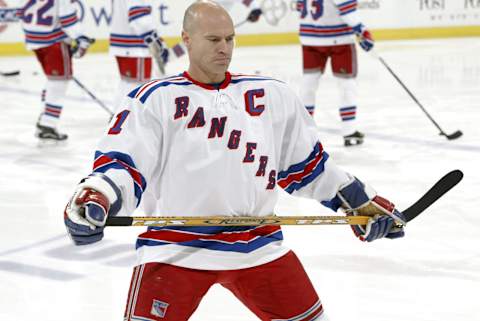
[236,220]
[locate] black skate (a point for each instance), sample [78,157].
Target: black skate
[353,139]
[50,133]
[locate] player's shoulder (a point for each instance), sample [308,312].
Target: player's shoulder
[255,78]
[159,87]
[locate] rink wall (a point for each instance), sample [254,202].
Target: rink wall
[388,20]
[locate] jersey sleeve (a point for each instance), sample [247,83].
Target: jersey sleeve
[140,16]
[348,12]
[129,152]
[305,169]
[69,21]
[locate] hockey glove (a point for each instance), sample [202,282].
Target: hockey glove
[158,49]
[254,15]
[86,212]
[385,221]
[365,39]
[82,43]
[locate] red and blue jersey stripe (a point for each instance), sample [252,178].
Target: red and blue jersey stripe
[44,38]
[309,30]
[68,20]
[241,239]
[301,174]
[138,12]
[128,41]
[237,78]
[143,92]
[116,160]
[347,7]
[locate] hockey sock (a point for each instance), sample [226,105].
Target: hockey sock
[308,89]
[348,107]
[52,100]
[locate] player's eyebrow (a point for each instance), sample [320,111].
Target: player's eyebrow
[208,35]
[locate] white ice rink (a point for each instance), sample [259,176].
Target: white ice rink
[432,274]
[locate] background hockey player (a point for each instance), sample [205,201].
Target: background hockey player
[207,142]
[134,42]
[50,27]
[327,31]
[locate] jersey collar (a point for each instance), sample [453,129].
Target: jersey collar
[223,85]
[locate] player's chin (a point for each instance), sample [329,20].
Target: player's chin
[219,69]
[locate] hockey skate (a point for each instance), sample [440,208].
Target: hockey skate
[353,139]
[49,133]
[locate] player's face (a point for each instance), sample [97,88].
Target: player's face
[211,45]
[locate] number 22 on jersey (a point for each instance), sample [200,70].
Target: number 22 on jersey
[38,8]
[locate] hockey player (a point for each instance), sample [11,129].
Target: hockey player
[209,142]
[327,30]
[133,42]
[50,27]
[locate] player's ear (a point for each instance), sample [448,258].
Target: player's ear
[186,39]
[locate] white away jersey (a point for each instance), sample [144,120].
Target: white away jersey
[184,148]
[327,22]
[131,22]
[48,22]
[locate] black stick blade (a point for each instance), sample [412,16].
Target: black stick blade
[454,135]
[10,73]
[445,184]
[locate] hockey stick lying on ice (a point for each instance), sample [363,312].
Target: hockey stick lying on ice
[453,135]
[438,190]
[10,73]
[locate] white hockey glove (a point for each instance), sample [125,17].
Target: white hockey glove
[158,49]
[81,45]
[85,215]
[386,221]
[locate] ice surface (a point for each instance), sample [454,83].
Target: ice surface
[432,274]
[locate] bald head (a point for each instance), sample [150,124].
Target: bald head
[209,35]
[204,11]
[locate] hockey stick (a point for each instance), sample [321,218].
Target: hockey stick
[238,24]
[453,135]
[10,73]
[9,15]
[433,194]
[272,10]
[93,96]
[179,49]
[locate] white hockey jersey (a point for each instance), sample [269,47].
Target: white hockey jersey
[48,22]
[131,22]
[184,148]
[327,22]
